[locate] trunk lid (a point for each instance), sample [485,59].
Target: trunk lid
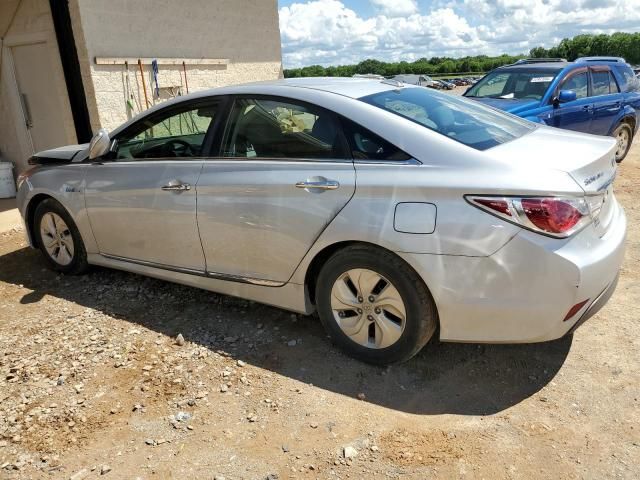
[588,159]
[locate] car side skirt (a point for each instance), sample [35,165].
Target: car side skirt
[290,296]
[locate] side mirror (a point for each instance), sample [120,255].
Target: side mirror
[565,96]
[100,144]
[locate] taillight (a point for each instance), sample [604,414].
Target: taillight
[554,216]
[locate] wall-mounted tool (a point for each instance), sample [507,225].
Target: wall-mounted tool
[144,84]
[184,69]
[154,67]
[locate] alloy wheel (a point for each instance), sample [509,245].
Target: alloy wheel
[56,238]
[368,308]
[623,143]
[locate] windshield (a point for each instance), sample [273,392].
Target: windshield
[467,122]
[514,84]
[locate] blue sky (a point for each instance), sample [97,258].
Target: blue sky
[334,32]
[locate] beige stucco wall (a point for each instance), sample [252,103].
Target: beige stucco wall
[28,21]
[245,32]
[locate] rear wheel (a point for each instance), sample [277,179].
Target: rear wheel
[59,239]
[374,306]
[624,136]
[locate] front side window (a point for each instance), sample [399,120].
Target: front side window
[465,121]
[273,128]
[516,84]
[174,134]
[578,83]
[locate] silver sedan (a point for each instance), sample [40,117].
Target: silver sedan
[393,211]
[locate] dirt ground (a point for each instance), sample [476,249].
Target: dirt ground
[93,383]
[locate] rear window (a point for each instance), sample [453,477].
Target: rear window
[465,121]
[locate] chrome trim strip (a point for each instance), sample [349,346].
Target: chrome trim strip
[144,263]
[189,271]
[241,279]
[411,161]
[341,161]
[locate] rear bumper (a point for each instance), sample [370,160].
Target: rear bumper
[522,293]
[597,304]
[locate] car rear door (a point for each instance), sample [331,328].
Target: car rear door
[282,175]
[141,198]
[607,100]
[578,114]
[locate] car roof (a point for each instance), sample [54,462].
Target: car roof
[348,87]
[352,88]
[537,66]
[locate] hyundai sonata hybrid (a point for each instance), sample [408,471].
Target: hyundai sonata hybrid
[394,211]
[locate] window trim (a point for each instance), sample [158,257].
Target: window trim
[224,132]
[571,74]
[167,112]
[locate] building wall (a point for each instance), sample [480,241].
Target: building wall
[245,32]
[24,22]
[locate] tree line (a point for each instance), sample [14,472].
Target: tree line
[618,44]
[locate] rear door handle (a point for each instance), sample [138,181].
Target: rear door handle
[175,186]
[319,185]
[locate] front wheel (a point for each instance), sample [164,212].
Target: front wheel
[59,239]
[374,306]
[624,136]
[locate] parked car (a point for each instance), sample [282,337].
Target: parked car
[394,211]
[414,79]
[446,85]
[598,95]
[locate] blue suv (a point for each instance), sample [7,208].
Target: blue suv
[598,95]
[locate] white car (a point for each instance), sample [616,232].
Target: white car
[393,211]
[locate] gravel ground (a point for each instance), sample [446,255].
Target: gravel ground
[117,375]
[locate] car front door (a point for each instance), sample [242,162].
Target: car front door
[607,100]
[282,175]
[141,198]
[578,114]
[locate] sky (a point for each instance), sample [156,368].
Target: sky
[341,32]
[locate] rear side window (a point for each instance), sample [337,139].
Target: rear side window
[366,145]
[613,85]
[601,82]
[462,120]
[274,128]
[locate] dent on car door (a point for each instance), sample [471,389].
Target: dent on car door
[282,175]
[576,115]
[141,198]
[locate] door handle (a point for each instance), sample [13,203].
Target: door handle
[176,187]
[320,185]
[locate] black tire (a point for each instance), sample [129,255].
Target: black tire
[421,313]
[78,264]
[623,127]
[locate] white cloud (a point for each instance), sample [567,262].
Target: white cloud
[327,32]
[395,8]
